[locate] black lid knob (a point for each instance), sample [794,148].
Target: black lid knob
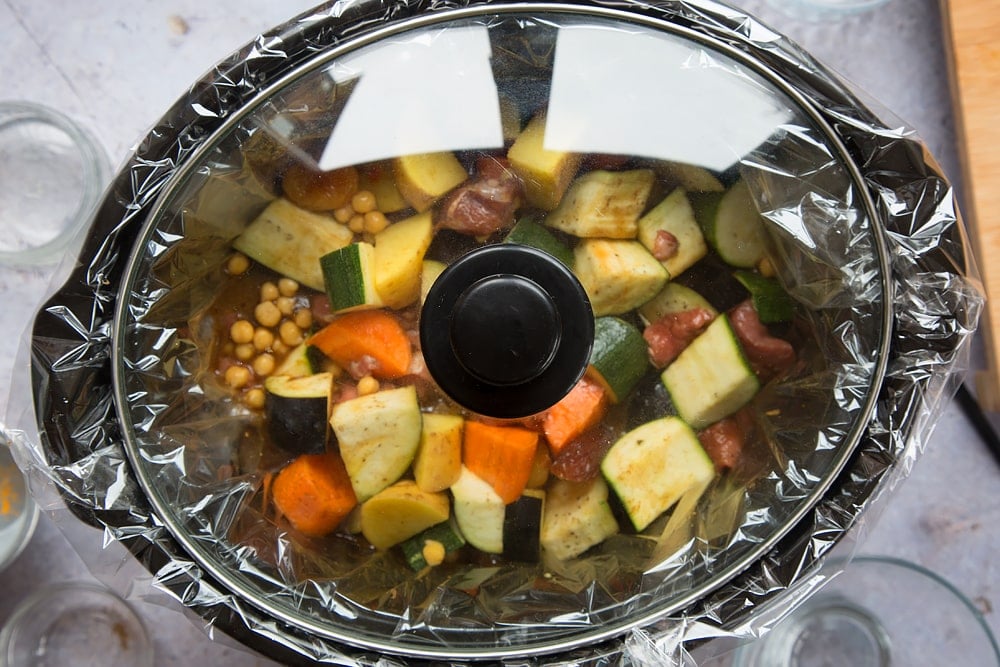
[507,330]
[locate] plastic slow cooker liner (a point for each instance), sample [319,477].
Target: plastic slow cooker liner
[868,242]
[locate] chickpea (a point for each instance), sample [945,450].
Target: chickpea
[264,365]
[290,334]
[288,287]
[237,264]
[363,201]
[237,376]
[262,339]
[285,304]
[255,398]
[357,224]
[279,348]
[367,385]
[375,221]
[433,552]
[244,351]
[343,214]
[267,314]
[766,268]
[303,318]
[241,332]
[269,292]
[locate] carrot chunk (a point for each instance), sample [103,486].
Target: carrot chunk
[579,410]
[314,493]
[367,336]
[502,456]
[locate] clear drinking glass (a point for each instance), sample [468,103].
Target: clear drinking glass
[78,624]
[52,173]
[879,611]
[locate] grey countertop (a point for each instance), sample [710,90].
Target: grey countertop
[116,66]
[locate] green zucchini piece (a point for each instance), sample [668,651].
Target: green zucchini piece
[711,378]
[303,360]
[378,436]
[619,357]
[530,233]
[522,525]
[603,204]
[673,298]
[349,276]
[444,533]
[691,177]
[577,516]
[674,216]
[770,299]
[732,225]
[651,467]
[291,240]
[479,512]
[297,411]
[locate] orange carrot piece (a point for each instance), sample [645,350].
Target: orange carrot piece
[314,493]
[367,333]
[502,456]
[579,410]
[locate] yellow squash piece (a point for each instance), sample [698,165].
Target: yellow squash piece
[439,457]
[425,177]
[378,178]
[399,256]
[546,173]
[400,512]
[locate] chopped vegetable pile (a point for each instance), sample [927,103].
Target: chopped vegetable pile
[323,346]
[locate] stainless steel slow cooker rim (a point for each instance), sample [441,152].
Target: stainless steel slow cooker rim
[244,587]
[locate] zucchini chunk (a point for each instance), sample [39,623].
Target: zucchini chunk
[770,299]
[290,240]
[522,525]
[732,225]
[711,378]
[603,204]
[530,233]
[546,174]
[349,276]
[303,360]
[479,512]
[691,177]
[651,467]
[618,275]
[673,298]
[378,434]
[577,516]
[430,547]
[297,411]
[401,511]
[674,216]
[619,358]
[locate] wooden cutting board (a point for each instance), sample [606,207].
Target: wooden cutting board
[972,40]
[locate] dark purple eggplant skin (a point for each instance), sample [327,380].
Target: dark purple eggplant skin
[522,525]
[298,425]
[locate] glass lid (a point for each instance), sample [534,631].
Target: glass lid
[501,331]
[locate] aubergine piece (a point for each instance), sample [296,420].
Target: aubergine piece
[298,412]
[522,526]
